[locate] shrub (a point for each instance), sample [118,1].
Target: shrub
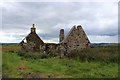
[36,55]
[33,55]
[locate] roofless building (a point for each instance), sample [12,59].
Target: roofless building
[76,39]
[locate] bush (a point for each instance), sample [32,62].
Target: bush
[52,54]
[32,55]
[36,55]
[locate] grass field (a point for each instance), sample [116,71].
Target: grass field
[15,66]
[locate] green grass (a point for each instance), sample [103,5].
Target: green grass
[55,67]
[104,64]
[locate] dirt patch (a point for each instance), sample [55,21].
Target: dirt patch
[31,75]
[21,68]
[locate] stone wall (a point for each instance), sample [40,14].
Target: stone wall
[76,39]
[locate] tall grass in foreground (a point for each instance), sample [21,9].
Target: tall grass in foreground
[56,68]
[97,62]
[99,53]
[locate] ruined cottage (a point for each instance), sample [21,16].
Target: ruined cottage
[76,39]
[32,42]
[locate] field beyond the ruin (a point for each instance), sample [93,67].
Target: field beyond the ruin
[15,66]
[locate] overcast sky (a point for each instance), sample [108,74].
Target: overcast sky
[98,19]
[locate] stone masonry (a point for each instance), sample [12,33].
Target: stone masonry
[76,39]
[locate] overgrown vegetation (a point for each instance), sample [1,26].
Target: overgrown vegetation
[99,53]
[97,62]
[38,55]
[55,67]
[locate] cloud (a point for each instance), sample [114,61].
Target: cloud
[96,18]
[103,39]
[9,38]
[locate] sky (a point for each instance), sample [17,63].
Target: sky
[98,19]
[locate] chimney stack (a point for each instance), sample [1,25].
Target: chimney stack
[61,36]
[33,29]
